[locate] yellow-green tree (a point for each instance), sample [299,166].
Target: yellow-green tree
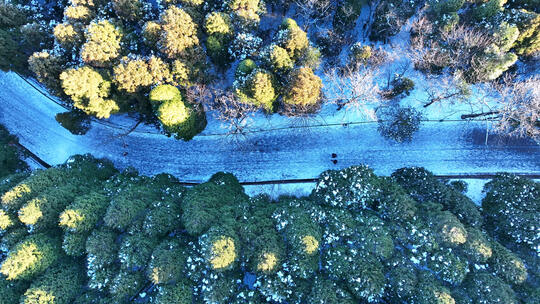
[47,68]
[103,43]
[179,33]
[304,88]
[89,90]
[135,74]
[177,116]
[258,90]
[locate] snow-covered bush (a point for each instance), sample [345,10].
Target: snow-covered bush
[399,124]
[245,45]
[511,208]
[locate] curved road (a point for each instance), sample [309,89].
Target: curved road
[444,148]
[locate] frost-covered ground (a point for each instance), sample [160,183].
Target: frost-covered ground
[443,147]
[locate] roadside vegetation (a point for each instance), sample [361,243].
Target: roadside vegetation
[231,58]
[84,232]
[10,155]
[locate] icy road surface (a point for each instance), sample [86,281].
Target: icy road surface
[444,148]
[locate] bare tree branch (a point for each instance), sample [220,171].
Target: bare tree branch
[354,90]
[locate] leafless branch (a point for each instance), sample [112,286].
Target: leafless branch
[354,90]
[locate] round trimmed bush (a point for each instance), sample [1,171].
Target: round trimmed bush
[245,67]
[177,117]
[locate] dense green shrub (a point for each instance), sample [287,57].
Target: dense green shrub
[440,7]
[245,67]
[488,9]
[360,53]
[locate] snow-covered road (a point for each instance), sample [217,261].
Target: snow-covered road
[444,148]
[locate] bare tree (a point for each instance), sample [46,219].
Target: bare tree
[515,107]
[421,29]
[312,11]
[448,88]
[237,117]
[354,90]
[519,114]
[461,48]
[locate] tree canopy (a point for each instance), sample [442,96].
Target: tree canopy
[121,237]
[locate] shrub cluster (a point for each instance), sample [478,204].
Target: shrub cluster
[358,237]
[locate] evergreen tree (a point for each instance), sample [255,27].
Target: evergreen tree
[59,284]
[30,257]
[304,88]
[103,44]
[258,89]
[179,33]
[89,90]
[10,157]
